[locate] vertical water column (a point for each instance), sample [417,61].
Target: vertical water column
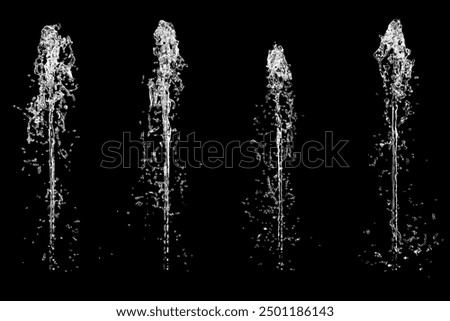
[164,89]
[279,78]
[395,69]
[46,116]
[269,209]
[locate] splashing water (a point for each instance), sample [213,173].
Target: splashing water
[164,90]
[396,69]
[274,198]
[46,116]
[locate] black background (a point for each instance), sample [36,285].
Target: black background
[335,79]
